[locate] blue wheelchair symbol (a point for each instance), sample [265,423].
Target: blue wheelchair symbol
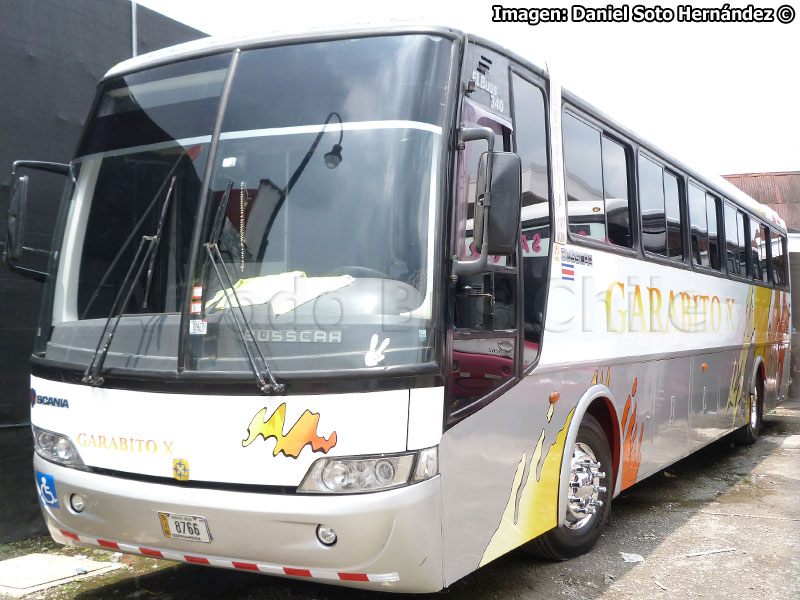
[46,485]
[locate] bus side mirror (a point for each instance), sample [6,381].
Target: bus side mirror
[16,221]
[14,241]
[503,217]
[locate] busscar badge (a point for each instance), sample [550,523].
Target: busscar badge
[180,469]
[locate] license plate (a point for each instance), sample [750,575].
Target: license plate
[185,527]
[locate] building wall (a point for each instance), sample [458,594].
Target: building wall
[53,53]
[779,191]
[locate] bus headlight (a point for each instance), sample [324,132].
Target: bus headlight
[354,474]
[56,448]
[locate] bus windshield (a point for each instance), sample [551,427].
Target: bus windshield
[321,201]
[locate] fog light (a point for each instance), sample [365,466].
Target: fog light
[77,502]
[326,535]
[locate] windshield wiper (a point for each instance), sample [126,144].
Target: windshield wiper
[215,257]
[154,246]
[92,374]
[216,232]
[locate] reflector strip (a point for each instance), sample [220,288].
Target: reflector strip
[234,564]
[353,577]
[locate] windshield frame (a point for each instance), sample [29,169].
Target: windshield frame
[392,377]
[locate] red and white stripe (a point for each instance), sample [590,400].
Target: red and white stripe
[214,561]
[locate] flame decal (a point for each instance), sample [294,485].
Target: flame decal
[602,378]
[532,506]
[302,433]
[783,328]
[631,447]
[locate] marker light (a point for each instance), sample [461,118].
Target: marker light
[56,448]
[427,464]
[354,474]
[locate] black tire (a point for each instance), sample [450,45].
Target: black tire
[748,434]
[566,541]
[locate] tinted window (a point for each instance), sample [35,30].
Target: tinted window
[407,77]
[741,254]
[597,184]
[651,206]
[731,240]
[697,219]
[615,184]
[763,253]
[779,259]
[673,206]
[157,106]
[583,164]
[755,244]
[714,246]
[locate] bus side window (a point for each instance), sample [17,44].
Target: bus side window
[742,249]
[672,199]
[714,246]
[763,251]
[755,243]
[651,206]
[597,184]
[531,145]
[615,188]
[697,219]
[779,260]
[731,240]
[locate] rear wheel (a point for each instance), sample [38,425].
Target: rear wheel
[589,499]
[748,434]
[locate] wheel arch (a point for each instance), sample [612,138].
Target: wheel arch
[597,401]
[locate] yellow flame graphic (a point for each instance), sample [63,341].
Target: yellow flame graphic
[302,433]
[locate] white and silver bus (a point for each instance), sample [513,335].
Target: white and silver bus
[375,307]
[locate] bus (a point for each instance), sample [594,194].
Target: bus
[374,307]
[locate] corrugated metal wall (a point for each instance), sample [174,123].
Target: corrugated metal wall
[779,191]
[53,52]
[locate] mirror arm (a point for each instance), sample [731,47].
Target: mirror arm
[40,165]
[470,267]
[25,272]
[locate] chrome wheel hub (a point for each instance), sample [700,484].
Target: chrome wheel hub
[753,410]
[584,487]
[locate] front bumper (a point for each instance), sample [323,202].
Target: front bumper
[388,540]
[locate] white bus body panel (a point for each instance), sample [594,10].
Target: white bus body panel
[259,440]
[670,383]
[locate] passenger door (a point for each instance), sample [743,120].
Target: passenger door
[485,333]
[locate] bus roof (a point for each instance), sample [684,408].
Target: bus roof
[214,45]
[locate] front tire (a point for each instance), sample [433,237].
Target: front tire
[589,501]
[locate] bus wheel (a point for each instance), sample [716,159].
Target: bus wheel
[748,434]
[589,500]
